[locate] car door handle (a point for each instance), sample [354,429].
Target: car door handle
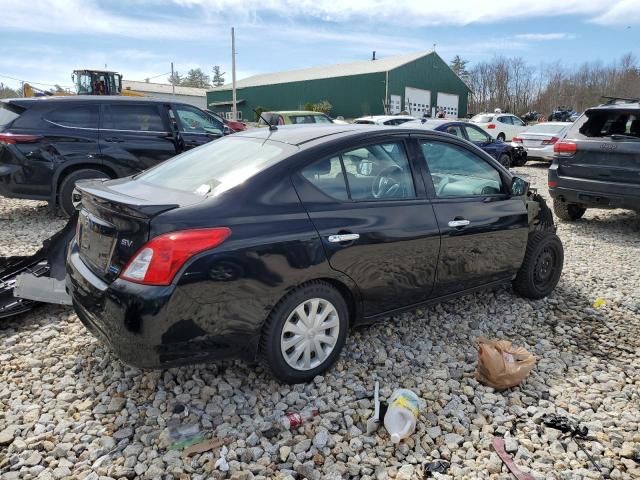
[343,237]
[459,223]
[114,139]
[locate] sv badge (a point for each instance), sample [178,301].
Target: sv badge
[126,243]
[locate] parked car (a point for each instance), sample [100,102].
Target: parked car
[270,244]
[384,119]
[501,126]
[539,139]
[507,154]
[48,144]
[234,125]
[293,118]
[597,164]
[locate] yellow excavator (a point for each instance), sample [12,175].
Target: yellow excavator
[87,82]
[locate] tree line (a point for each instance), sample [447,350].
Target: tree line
[513,85]
[198,78]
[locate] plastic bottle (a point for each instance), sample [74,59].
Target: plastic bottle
[402,414]
[291,420]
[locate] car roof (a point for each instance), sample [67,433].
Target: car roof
[299,135]
[295,112]
[383,117]
[616,106]
[90,98]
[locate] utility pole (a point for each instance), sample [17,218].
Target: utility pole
[173,82]
[234,112]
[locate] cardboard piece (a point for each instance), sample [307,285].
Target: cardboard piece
[501,365]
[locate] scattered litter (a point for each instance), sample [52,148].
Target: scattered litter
[182,409]
[574,429]
[204,446]
[221,464]
[498,446]
[439,466]
[184,436]
[374,422]
[292,420]
[402,414]
[501,365]
[599,302]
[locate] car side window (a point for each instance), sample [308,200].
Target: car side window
[85,117]
[327,176]
[379,172]
[455,130]
[138,118]
[457,172]
[516,121]
[476,135]
[506,120]
[193,120]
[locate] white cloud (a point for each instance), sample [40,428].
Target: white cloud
[623,12]
[535,37]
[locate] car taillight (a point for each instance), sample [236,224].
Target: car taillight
[516,140]
[13,138]
[158,261]
[551,141]
[552,184]
[565,148]
[491,125]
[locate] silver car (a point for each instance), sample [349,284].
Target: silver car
[539,139]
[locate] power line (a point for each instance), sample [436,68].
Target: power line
[34,83]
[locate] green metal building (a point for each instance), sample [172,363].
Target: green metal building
[416,83]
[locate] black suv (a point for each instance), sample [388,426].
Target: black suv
[47,144]
[597,165]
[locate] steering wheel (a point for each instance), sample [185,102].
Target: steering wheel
[444,181]
[385,185]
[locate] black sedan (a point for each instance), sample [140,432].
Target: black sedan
[506,153]
[271,243]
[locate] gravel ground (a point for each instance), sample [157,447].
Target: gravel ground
[70,409]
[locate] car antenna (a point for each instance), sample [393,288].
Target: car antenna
[272,128]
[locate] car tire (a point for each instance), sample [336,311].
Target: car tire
[501,136]
[568,211]
[505,160]
[68,183]
[285,335]
[542,266]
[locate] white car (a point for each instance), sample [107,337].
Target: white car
[502,126]
[384,119]
[538,140]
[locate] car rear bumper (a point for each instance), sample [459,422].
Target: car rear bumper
[540,153]
[152,326]
[593,193]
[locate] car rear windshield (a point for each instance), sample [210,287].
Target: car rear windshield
[482,118]
[544,128]
[217,166]
[9,112]
[604,123]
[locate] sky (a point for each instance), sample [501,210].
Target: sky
[44,41]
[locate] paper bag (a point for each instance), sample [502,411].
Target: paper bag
[501,365]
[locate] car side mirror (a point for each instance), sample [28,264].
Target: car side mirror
[227,131]
[519,187]
[365,167]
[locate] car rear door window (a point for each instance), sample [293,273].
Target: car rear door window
[82,116]
[457,172]
[506,120]
[604,123]
[379,172]
[138,118]
[328,177]
[475,134]
[454,130]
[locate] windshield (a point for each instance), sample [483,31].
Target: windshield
[604,123]
[217,166]
[481,118]
[545,128]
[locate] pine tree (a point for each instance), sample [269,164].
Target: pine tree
[175,78]
[218,79]
[196,78]
[459,66]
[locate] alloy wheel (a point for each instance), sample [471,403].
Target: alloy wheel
[309,334]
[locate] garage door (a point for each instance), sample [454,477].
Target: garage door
[449,103]
[417,101]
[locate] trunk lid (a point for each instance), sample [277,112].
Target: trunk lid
[607,146]
[534,139]
[115,219]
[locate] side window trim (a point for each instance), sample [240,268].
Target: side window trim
[98,119]
[426,175]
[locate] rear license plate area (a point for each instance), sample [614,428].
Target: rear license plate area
[97,240]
